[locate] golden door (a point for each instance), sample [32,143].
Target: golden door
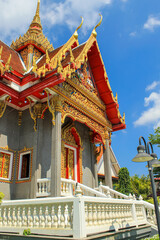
[70,162]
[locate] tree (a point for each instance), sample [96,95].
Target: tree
[155,139]
[141,186]
[124,182]
[1,196]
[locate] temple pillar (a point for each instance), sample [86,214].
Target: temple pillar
[37,146]
[56,151]
[94,166]
[107,165]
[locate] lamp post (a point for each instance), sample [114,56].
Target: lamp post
[145,156]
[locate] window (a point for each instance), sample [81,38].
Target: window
[6,159]
[24,165]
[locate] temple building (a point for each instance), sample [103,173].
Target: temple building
[57,114]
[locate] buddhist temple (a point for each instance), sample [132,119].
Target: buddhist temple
[57,113]
[57,166]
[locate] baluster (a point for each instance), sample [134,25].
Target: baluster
[86,214]
[95,214]
[9,217]
[41,218]
[24,218]
[103,214]
[14,218]
[90,215]
[110,214]
[19,218]
[40,187]
[54,218]
[5,217]
[99,214]
[47,218]
[106,214]
[35,218]
[43,187]
[30,218]
[66,217]
[62,224]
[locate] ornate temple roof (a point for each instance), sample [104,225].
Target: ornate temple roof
[54,66]
[34,35]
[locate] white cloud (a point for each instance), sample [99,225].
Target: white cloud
[152,23]
[133,34]
[152,114]
[69,12]
[15,17]
[152,86]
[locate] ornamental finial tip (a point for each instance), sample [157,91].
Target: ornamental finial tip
[75,33]
[94,30]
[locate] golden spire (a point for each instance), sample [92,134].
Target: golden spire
[94,30]
[36,23]
[76,33]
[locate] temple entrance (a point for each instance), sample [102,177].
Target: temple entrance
[71,162]
[71,157]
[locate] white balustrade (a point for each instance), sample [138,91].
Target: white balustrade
[43,187]
[77,216]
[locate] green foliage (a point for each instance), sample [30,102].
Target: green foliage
[1,196]
[124,183]
[141,186]
[155,237]
[155,138]
[27,232]
[150,200]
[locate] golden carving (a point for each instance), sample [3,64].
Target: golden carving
[82,99]
[75,33]
[94,30]
[36,111]
[4,67]
[34,35]
[20,118]
[1,49]
[3,105]
[72,112]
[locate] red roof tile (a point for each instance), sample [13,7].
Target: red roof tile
[15,63]
[51,55]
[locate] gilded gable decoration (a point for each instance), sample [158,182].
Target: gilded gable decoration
[3,105]
[36,111]
[4,67]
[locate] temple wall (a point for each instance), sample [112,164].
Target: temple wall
[9,136]
[40,141]
[18,137]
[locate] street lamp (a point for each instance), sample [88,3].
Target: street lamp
[145,156]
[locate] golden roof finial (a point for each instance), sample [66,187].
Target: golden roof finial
[1,49]
[94,30]
[76,33]
[36,23]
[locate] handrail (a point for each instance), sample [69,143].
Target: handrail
[83,187]
[110,190]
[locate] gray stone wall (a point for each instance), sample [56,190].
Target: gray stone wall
[18,137]
[9,136]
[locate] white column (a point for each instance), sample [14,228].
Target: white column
[107,165]
[56,151]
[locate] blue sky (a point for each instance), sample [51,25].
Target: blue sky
[129,41]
